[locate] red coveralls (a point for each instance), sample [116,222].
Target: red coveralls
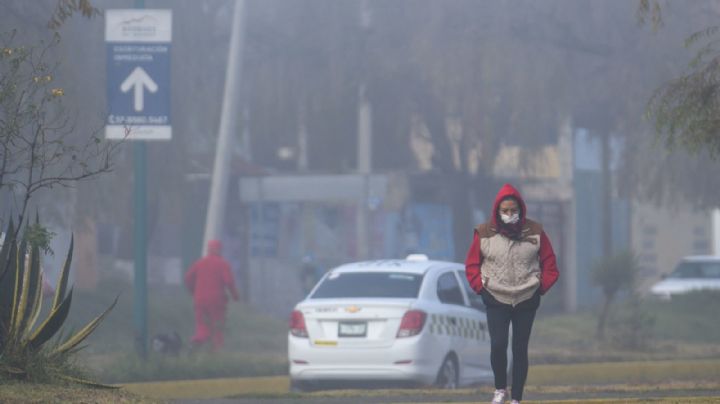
[207,280]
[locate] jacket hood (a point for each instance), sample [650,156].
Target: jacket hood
[214,247]
[507,191]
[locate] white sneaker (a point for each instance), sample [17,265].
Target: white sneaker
[514,402]
[499,397]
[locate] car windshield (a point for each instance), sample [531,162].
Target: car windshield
[368,284]
[702,270]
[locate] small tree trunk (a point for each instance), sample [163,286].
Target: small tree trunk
[600,332]
[606,195]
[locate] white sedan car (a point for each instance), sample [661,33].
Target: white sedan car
[410,320]
[691,274]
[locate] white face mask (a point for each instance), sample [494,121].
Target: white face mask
[507,219]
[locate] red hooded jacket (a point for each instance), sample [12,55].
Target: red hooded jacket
[208,278]
[548,263]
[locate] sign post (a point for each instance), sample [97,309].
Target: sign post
[138,93]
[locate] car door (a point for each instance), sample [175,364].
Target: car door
[477,356]
[454,315]
[711,274]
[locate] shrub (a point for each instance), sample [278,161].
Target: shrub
[633,326]
[30,350]
[613,274]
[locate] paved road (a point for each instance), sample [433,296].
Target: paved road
[712,395]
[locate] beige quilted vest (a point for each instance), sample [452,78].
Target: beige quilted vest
[510,268]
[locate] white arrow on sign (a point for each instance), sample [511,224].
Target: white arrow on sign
[137,80]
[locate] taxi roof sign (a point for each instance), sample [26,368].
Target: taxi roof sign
[417,257]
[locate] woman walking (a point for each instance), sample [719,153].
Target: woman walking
[510,263]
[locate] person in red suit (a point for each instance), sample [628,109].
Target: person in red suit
[209,279]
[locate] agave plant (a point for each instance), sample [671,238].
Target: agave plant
[21,333]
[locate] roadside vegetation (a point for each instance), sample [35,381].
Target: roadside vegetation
[35,348]
[255,344]
[637,329]
[544,382]
[39,361]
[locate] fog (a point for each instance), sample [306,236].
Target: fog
[369,130]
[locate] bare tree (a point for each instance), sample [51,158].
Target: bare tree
[39,146]
[65,9]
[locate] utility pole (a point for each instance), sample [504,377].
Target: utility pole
[221,169]
[364,142]
[364,158]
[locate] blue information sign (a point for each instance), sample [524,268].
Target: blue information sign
[138,74]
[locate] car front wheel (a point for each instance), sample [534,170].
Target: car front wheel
[448,374]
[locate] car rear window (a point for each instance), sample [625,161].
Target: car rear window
[703,270]
[368,284]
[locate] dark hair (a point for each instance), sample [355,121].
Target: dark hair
[509,198]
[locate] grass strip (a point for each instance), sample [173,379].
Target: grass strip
[650,372]
[212,388]
[670,400]
[547,379]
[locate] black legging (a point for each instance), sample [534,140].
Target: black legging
[499,317]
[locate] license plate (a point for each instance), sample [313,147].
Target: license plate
[352,329]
